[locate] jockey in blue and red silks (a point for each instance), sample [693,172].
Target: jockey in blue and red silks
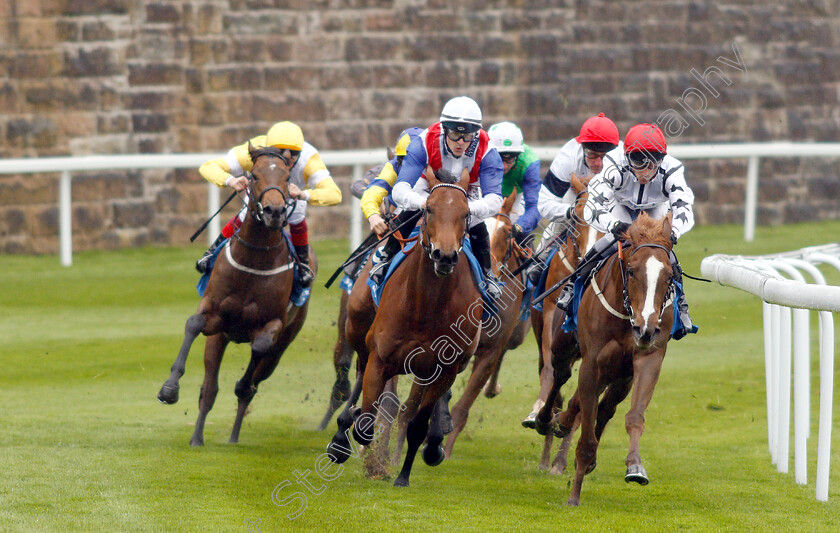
[449,146]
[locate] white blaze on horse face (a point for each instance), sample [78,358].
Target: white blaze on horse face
[653,267]
[273,166]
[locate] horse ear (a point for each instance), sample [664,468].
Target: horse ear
[578,184]
[667,223]
[251,150]
[507,205]
[465,179]
[430,176]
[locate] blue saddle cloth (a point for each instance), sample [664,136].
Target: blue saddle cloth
[478,275]
[299,295]
[347,282]
[570,324]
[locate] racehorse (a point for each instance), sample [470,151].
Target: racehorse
[624,322]
[559,351]
[428,324]
[248,295]
[505,331]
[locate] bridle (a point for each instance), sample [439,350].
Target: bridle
[628,307]
[428,246]
[255,206]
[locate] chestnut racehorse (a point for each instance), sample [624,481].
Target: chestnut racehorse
[428,324]
[248,296]
[558,352]
[624,323]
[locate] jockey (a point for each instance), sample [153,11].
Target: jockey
[306,169]
[521,172]
[383,181]
[451,145]
[582,156]
[640,178]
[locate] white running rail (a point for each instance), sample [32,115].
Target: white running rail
[360,160]
[763,277]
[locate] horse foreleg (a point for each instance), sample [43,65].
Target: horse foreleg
[481,371]
[416,431]
[340,448]
[411,406]
[546,368]
[645,375]
[214,349]
[587,445]
[376,374]
[342,358]
[558,466]
[266,350]
[377,455]
[546,452]
[169,391]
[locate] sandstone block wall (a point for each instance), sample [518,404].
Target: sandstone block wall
[117,76]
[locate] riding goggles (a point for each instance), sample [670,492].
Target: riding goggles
[643,160]
[509,157]
[592,154]
[455,136]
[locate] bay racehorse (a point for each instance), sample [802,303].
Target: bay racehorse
[504,330]
[428,325]
[559,351]
[623,325]
[247,298]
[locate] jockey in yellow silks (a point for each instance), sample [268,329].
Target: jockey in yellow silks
[309,183]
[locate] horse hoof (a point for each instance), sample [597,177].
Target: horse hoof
[433,455]
[195,442]
[573,502]
[637,474]
[401,482]
[590,468]
[561,432]
[542,428]
[168,395]
[530,421]
[492,392]
[336,450]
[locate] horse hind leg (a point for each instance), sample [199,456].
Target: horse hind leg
[169,391]
[416,433]
[340,448]
[213,351]
[482,369]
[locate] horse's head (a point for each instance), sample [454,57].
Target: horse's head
[585,235]
[500,228]
[445,219]
[648,281]
[269,200]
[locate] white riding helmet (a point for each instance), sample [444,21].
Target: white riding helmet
[506,137]
[461,114]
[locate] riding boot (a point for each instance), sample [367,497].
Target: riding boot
[480,242]
[535,270]
[306,276]
[203,264]
[383,255]
[682,305]
[602,248]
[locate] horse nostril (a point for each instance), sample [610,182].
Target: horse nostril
[637,331]
[437,255]
[453,258]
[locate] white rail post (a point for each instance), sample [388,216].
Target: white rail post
[356,213]
[751,198]
[212,205]
[65,219]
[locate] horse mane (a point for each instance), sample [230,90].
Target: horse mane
[445,176]
[650,230]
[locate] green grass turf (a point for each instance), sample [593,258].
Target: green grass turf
[85,445]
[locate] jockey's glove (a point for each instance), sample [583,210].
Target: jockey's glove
[619,229]
[673,240]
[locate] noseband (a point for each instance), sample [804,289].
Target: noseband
[428,246]
[257,210]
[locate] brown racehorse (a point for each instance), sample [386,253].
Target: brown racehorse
[624,323]
[428,324]
[504,331]
[247,297]
[558,352]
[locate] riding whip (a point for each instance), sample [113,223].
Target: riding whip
[364,248]
[199,230]
[553,288]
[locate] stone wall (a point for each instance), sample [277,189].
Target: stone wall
[117,76]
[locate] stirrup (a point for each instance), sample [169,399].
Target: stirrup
[306,276]
[203,264]
[567,293]
[379,268]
